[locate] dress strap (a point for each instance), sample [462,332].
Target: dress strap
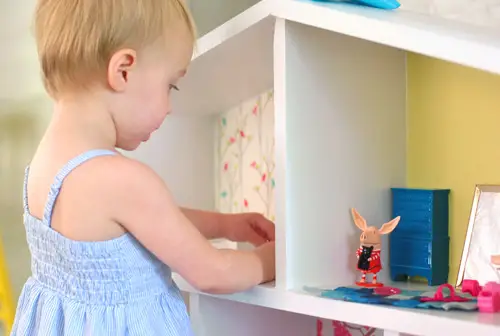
[55,188]
[25,189]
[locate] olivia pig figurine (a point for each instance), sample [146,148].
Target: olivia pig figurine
[368,253]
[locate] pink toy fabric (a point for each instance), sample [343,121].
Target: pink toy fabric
[471,286]
[439,297]
[387,290]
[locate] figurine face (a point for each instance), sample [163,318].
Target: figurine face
[370,235]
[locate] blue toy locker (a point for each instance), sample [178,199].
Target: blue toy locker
[419,246]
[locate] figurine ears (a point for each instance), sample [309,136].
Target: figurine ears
[358,220]
[389,226]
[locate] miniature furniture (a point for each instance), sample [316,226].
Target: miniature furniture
[419,246]
[339,77]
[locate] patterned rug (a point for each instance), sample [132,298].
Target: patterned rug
[403,298]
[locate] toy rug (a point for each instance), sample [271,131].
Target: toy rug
[392,296]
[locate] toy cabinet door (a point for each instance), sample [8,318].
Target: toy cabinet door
[415,208]
[410,252]
[410,227]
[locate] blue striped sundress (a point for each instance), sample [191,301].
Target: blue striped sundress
[115,287]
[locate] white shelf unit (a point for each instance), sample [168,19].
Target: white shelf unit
[339,78]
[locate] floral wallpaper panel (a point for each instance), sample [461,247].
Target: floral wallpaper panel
[245,157]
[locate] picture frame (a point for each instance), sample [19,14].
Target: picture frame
[482,238]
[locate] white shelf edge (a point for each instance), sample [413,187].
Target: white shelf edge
[410,321]
[233,27]
[224,47]
[455,42]
[279,65]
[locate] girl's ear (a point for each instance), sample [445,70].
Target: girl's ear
[358,220]
[389,226]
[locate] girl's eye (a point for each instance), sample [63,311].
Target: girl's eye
[172,86]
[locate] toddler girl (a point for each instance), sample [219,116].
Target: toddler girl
[103,229]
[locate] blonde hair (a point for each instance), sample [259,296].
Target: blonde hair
[76,38]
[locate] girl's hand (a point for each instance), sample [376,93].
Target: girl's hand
[249,227]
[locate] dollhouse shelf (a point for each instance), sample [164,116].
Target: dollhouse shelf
[339,77]
[409,321]
[427,35]
[215,76]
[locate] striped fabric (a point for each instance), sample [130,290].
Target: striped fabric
[114,287]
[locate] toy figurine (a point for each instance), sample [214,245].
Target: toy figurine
[368,253]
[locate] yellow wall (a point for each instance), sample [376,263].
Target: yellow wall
[453,136]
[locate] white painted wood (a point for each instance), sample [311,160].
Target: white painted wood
[478,12]
[224,244]
[194,312]
[211,14]
[419,322]
[231,64]
[181,152]
[392,333]
[345,147]
[282,266]
[395,333]
[228,318]
[219,81]
[454,41]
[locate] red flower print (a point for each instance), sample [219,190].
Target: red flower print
[232,139]
[340,329]
[264,177]
[319,327]
[245,203]
[255,109]
[226,165]
[253,164]
[242,134]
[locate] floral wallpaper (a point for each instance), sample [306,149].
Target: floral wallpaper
[245,176]
[336,328]
[245,157]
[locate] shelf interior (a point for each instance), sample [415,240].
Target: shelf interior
[229,73]
[345,147]
[342,124]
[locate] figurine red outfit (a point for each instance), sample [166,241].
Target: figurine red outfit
[368,253]
[375,264]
